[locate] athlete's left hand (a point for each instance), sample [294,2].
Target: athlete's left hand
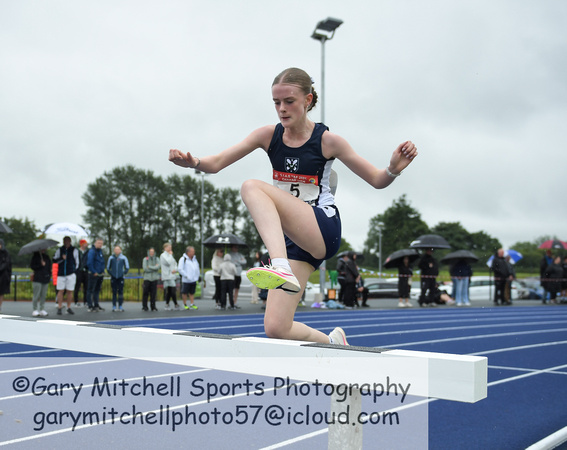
[402,157]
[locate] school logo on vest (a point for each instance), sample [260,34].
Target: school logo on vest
[291,164]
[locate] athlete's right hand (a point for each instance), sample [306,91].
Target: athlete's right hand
[181,159]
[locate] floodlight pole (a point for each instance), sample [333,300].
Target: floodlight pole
[202,230]
[324,31]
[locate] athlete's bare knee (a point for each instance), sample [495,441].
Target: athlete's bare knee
[276,329]
[250,186]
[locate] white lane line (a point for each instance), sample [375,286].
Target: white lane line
[54,366]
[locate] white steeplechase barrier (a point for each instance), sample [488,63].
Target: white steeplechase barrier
[424,374]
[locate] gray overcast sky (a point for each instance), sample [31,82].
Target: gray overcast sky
[479,86]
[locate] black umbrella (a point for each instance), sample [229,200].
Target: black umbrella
[453,257]
[359,255]
[5,228]
[37,245]
[396,258]
[218,240]
[430,241]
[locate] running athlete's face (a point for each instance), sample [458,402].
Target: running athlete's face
[291,103]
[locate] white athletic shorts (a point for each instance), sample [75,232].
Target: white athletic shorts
[67,282]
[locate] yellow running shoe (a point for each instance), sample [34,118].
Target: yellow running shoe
[270,277]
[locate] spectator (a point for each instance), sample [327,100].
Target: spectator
[169,276]
[216,262]
[67,257]
[564,281]
[255,289]
[117,267]
[463,272]
[239,261]
[501,277]
[5,271]
[228,273]
[188,267]
[263,293]
[404,278]
[95,267]
[545,263]
[441,297]
[341,276]
[82,273]
[41,266]
[512,276]
[362,292]
[351,278]
[429,272]
[151,266]
[554,274]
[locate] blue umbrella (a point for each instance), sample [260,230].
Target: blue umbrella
[514,255]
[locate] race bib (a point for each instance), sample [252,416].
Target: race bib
[304,187]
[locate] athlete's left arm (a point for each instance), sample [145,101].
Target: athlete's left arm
[336,146]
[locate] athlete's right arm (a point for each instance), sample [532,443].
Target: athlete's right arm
[259,138]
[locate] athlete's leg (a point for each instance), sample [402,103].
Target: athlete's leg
[280,310]
[276,212]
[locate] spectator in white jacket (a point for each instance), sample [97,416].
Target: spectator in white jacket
[188,267]
[169,276]
[215,265]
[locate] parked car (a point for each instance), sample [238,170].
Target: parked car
[382,287]
[480,288]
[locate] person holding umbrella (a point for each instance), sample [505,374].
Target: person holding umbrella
[296,215]
[429,272]
[404,276]
[67,258]
[41,266]
[462,272]
[5,272]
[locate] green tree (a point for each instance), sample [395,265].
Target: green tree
[24,231]
[401,225]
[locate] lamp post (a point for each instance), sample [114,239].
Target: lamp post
[380,227]
[198,172]
[324,31]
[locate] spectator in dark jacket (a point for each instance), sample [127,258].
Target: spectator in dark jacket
[554,274]
[95,266]
[41,266]
[5,272]
[82,273]
[429,272]
[341,275]
[544,264]
[404,277]
[117,267]
[351,278]
[501,277]
[462,272]
[67,258]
